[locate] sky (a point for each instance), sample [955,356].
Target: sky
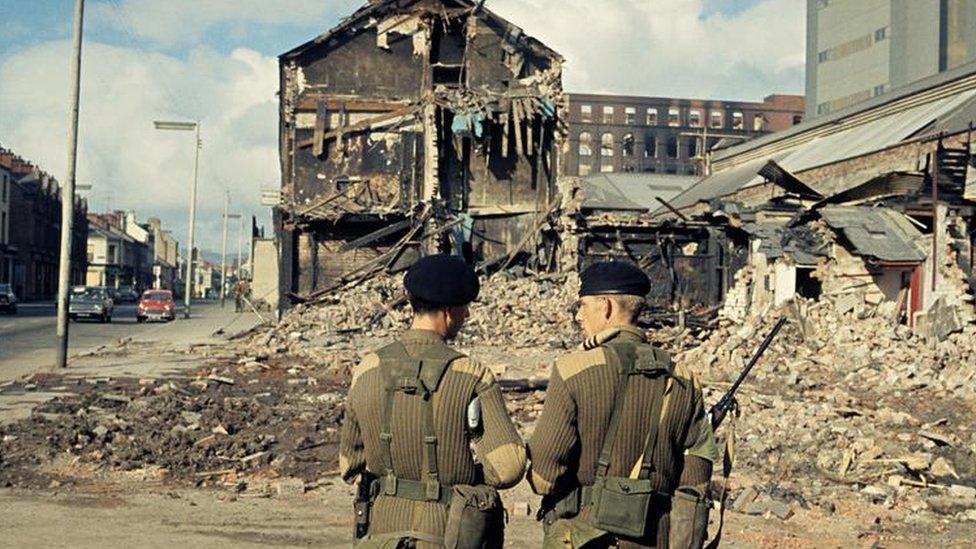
[216,61]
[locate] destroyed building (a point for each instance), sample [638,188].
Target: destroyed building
[429,124]
[872,206]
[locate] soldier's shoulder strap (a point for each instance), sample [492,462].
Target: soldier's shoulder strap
[428,367]
[639,358]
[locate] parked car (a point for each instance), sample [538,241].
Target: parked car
[155,305]
[8,301]
[126,294]
[90,302]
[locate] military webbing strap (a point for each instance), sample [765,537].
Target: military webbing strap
[629,359]
[728,460]
[418,377]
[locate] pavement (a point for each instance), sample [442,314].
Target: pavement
[28,346]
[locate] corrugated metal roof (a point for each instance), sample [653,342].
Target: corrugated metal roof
[719,184]
[943,84]
[632,191]
[872,136]
[880,233]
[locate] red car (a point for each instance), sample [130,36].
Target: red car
[155,305]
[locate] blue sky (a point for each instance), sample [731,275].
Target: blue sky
[216,60]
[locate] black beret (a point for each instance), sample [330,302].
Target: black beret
[614,277]
[443,280]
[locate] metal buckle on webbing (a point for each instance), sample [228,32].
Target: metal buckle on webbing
[408,385]
[390,485]
[432,490]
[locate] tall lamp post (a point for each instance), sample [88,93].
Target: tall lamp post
[68,191]
[188,126]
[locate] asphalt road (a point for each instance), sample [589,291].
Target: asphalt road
[28,339]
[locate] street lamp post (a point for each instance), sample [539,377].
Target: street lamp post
[188,126]
[68,191]
[223,253]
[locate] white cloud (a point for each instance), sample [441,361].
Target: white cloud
[131,165]
[637,47]
[174,22]
[666,48]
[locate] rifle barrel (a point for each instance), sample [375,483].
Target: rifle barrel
[759,352]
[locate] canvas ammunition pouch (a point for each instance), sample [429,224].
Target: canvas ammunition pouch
[475,513]
[688,520]
[624,505]
[476,518]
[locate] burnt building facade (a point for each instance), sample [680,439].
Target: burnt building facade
[411,127]
[617,133]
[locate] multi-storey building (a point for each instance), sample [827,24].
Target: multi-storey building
[616,133]
[859,49]
[6,252]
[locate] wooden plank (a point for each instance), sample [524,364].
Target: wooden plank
[359,126]
[375,235]
[311,103]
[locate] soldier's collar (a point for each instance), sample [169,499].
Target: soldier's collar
[422,336]
[627,332]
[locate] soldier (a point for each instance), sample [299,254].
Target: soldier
[416,409]
[623,451]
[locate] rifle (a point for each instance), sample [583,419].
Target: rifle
[718,412]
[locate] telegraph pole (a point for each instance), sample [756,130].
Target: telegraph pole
[68,190]
[240,248]
[223,253]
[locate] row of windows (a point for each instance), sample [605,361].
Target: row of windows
[607,167]
[627,146]
[716,119]
[833,105]
[853,46]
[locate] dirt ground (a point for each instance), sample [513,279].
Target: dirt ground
[157,515]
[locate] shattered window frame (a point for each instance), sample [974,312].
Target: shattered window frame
[674,117]
[694,118]
[608,114]
[652,116]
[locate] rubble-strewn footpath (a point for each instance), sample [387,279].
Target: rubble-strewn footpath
[843,407]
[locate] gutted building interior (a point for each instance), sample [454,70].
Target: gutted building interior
[414,126]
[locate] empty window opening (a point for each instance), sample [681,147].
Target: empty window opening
[606,144]
[694,118]
[737,123]
[716,120]
[672,147]
[585,144]
[652,117]
[674,116]
[758,123]
[631,115]
[608,115]
[586,113]
[650,147]
[806,285]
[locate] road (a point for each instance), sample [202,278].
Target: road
[28,339]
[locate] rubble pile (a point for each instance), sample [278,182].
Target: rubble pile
[524,312]
[848,402]
[257,418]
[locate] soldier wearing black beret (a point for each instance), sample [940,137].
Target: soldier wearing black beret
[406,435]
[623,451]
